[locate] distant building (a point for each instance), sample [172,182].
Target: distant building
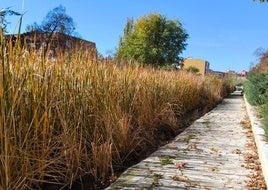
[56,43]
[243,73]
[218,73]
[239,75]
[230,72]
[200,64]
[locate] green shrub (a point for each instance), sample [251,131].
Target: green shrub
[264,113]
[256,88]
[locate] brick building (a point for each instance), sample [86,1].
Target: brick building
[55,44]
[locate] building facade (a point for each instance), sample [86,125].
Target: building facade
[55,43]
[200,64]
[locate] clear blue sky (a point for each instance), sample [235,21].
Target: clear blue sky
[226,33]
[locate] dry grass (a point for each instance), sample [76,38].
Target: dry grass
[76,119]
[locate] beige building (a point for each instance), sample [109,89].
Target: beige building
[200,64]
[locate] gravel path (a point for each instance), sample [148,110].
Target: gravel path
[213,153]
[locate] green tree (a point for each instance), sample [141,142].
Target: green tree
[152,40]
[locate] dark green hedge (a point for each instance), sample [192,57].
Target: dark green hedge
[264,113]
[256,88]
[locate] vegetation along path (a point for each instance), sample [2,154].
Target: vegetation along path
[216,152]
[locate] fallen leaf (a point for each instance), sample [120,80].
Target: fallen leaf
[181,165]
[236,151]
[180,178]
[214,149]
[212,169]
[193,146]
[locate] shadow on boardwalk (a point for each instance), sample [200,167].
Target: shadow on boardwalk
[207,155]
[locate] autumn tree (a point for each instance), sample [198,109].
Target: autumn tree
[262,66]
[153,40]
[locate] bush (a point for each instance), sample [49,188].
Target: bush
[264,113]
[256,88]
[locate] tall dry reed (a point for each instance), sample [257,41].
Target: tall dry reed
[76,120]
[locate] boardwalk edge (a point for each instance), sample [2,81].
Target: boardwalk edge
[261,142]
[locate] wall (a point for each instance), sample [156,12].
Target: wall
[201,65]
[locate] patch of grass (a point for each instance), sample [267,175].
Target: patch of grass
[188,138]
[156,177]
[165,160]
[185,150]
[207,123]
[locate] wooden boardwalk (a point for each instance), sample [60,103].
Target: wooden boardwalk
[210,154]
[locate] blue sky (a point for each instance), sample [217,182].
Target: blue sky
[226,33]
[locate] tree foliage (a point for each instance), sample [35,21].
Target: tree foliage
[153,40]
[56,20]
